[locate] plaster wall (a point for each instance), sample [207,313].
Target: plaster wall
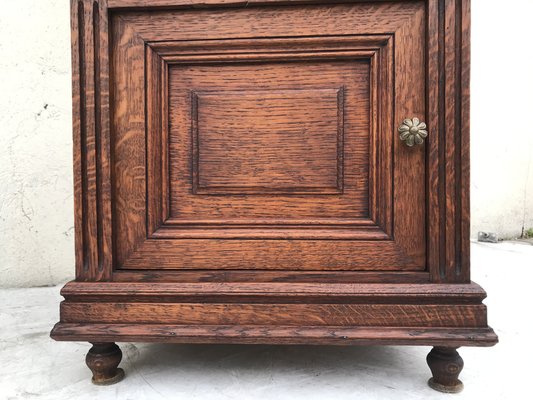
[502,117]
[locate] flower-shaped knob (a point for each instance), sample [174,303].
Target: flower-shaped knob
[413,131]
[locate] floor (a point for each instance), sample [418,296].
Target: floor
[33,366]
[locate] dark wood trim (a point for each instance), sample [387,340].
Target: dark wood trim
[432,144]
[156,145]
[448,100]
[330,335]
[270,276]
[276,304]
[167,4]
[463,273]
[264,313]
[278,291]
[377,49]
[161,254]
[91,123]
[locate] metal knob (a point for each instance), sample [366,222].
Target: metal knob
[413,131]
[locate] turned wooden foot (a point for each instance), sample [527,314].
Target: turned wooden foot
[103,360]
[446,364]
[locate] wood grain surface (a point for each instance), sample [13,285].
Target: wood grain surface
[132,4]
[413,315]
[212,275]
[448,252]
[238,175]
[112,190]
[276,151]
[277,291]
[268,141]
[313,335]
[183,68]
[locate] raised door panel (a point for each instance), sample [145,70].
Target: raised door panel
[243,142]
[248,141]
[269,142]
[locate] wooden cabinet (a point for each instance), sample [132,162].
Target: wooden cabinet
[271,171]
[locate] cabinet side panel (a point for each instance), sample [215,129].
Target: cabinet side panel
[464,273]
[448,65]
[92,192]
[456,143]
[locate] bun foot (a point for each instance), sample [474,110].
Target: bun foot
[446,364]
[103,359]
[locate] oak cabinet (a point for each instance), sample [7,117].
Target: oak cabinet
[271,171]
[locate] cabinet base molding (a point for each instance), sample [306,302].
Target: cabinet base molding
[265,334]
[446,316]
[312,313]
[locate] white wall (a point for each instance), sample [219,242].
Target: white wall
[502,116]
[36,223]
[36,234]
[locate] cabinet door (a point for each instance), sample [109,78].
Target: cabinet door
[266,138]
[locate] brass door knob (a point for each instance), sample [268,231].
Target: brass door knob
[413,131]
